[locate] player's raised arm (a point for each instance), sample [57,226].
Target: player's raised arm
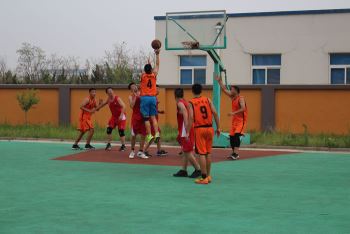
[224,89]
[156,68]
[216,117]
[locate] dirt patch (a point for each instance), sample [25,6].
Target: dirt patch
[172,159]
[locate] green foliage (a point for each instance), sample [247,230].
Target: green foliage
[304,139]
[9,78]
[27,100]
[49,131]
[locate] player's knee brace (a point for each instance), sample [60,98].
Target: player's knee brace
[109,130]
[145,119]
[121,132]
[235,140]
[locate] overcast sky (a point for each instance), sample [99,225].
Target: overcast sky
[86,28]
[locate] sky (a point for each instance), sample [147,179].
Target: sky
[87,28]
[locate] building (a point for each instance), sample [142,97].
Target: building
[289,48]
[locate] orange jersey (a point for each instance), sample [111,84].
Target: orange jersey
[148,84]
[202,114]
[239,121]
[90,105]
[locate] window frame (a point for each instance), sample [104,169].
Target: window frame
[344,66]
[265,67]
[192,68]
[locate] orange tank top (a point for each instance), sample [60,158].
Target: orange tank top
[90,105]
[148,84]
[236,106]
[202,114]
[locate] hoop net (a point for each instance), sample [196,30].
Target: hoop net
[190,45]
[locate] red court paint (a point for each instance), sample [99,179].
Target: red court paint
[172,159]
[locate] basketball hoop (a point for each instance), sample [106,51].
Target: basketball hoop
[190,45]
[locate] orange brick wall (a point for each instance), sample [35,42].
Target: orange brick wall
[46,111]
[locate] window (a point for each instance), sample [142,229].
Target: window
[266,68]
[340,68]
[193,69]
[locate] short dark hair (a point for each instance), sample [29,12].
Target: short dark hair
[238,90]
[197,89]
[108,88]
[179,93]
[129,86]
[148,68]
[90,89]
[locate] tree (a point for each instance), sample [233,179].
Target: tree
[26,101]
[3,67]
[139,59]
[6,75]
[118,64]
[98,74]
[31,62]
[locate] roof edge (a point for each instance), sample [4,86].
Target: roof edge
[278,13]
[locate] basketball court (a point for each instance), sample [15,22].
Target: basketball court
[105,192]
[48,188]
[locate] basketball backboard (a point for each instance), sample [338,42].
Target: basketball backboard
[203,30]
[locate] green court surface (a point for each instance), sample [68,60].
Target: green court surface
[294,193]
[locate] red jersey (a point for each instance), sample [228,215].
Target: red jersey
[136,110]
[115,107]
[148,84]
[180,120]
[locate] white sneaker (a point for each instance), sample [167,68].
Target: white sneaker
[141,155]
[132,154]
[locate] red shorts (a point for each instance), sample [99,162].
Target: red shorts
[186,143]
[115,122]
[138,128]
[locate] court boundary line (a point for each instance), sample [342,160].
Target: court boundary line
[255,148]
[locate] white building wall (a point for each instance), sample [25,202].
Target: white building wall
[304,41]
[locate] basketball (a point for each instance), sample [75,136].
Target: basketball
[156,44]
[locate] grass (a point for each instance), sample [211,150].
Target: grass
[68,132]
[290,139]
[169,135]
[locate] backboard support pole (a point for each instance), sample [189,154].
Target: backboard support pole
[223,140]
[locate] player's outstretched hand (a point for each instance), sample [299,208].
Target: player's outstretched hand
[157,51]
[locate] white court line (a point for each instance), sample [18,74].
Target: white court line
[177,147]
